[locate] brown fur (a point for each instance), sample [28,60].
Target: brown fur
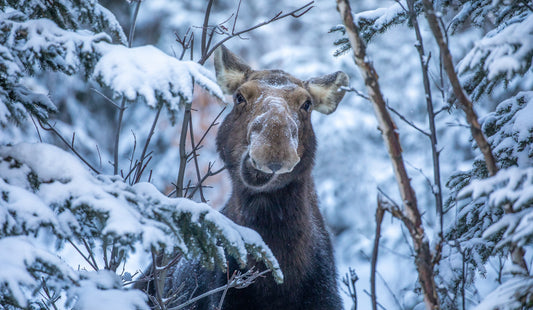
[268,145]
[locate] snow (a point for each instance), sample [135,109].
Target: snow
[351,159]
[381,16]
[44,36]
[55,190]
[147,72]
[504,51]
[24,254]
[102,290]
[509,295]
[515,128]
[513,187]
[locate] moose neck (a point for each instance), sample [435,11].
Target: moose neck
[281,214]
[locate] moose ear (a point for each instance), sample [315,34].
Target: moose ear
[231,71]
[326,91]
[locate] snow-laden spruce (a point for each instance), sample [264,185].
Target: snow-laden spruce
[149,73]
[53,196]
[483,228]
[503,53]
[513,187]
[29,46]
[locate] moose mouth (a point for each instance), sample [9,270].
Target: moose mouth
[253,177]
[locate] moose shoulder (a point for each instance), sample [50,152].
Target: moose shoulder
[268,146]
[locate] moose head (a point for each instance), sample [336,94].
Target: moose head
[267,139]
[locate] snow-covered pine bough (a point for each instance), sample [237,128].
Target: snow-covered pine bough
[268,146]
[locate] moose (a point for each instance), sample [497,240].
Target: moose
[268,146]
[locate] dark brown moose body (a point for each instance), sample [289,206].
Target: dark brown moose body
[268,145]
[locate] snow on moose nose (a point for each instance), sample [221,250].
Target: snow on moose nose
[273,138]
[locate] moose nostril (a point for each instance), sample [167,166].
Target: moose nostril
[274,166]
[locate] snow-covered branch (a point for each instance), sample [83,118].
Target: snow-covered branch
[503,53]
[54,195]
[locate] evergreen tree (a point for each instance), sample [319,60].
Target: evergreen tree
[487,216]
[52,202]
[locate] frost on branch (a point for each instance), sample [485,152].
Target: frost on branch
[509,130]
[29,46]
[374,22]
[71,14]
[481,12]
[24,267]
[103,290]
[482,227]
[513,187]
[504,53]
[54,196]
[514,294]
[151,74]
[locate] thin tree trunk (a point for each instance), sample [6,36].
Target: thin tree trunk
[517,253]
[411,218]
[462,99]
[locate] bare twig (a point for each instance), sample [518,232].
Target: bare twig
[203,45]
[48,127]
[238,281]
[123,103]
[195,158]
[99,155]
[36,128]
[117,135]
[379,219]
[370,295]
[90,251]
[182,151]
[86,258]
[424,61]
[133,22]
[408,122]
[159,280]
[209,173]
[213,124]
[138,172]
[186,42]
[358,93]
[349,281]
[106,98]
[462,99]
[294,13]
[411,215]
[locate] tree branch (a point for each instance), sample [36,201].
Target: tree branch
[294,13]
[237,280]
[424,62]
[196,165]
[517,253]
[408,122]
[463,101]
[52,129]
[123,103]
[139,164]
[379,219]
[183,153]
[349,281]
[390,135]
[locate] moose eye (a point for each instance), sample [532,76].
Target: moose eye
[238,98]
[306,105]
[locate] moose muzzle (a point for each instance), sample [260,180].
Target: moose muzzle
[273,137]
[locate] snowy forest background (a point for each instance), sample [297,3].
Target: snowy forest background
[88,201]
